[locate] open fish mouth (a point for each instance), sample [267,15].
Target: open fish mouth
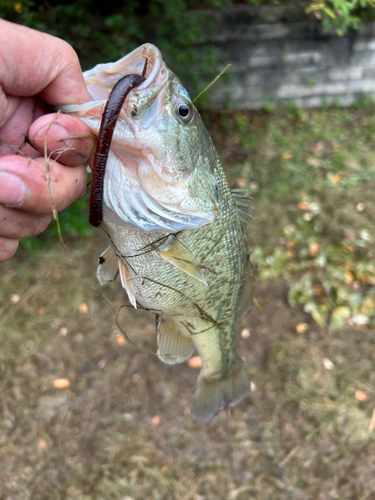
[149,182]
[101,79]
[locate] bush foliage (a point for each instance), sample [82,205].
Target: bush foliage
[340,15]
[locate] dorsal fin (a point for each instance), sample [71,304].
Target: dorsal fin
[181,257]
[244,207]
[246,297]
[108,268]
[173,346]
[126,282]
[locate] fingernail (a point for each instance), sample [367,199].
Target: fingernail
[12,189]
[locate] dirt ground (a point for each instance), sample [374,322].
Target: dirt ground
[85,415]
[123,427]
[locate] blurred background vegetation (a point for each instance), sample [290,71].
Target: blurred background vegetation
[105,31]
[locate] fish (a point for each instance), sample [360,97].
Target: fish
[177,233]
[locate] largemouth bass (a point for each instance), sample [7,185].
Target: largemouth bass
[173,224]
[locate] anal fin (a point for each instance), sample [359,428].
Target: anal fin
[173,346]
[107,268]
[181,257]
[126,282]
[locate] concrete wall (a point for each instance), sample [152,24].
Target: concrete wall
[280,56]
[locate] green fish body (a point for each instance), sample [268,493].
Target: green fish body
[174,225]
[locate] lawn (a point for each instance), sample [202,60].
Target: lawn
[88,416]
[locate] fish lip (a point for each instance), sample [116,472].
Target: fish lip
[132,63]
[158,61]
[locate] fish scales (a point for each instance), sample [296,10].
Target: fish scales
[173,227]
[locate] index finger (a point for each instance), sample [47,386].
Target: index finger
[67,138]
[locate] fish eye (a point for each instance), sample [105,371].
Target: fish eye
[184,111]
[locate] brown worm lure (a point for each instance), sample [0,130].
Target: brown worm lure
[110,115]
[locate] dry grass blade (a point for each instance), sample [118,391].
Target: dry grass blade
[289,456]
[117,313]
[372,422]
[83,136]
[213,82]
[46,161]
[12,148]
[237,492]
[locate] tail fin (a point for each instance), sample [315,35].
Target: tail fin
[213,395]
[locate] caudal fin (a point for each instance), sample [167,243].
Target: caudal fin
[213,395]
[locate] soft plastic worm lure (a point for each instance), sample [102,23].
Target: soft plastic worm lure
[110,115]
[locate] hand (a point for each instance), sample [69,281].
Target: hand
[37,69]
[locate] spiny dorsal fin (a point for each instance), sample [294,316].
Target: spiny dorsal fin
[246,297]
[244,207]
[173,346]
[180,256]
[126,282]
[108,268]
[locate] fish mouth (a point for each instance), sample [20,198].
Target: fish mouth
[102,78]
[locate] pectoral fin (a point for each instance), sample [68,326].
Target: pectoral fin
[173,346]
[126,282]
[181,257]
[108,268]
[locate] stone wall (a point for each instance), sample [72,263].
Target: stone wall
[283,56]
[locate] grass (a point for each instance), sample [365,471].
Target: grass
[97,439]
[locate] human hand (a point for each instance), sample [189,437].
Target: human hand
[37,69]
